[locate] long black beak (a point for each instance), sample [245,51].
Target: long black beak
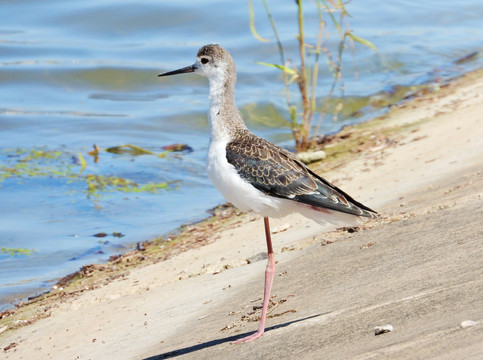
[186,69]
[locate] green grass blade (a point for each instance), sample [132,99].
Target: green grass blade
[285,69]
[252,23]
[361,40]
[334,20]
[82,161]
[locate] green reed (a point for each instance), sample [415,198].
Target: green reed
[332,21]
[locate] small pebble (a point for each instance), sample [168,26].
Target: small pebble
[468,323]
[258,257]
[378,330]
[281,228]
[311,156]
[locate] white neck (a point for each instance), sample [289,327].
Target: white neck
[223,115]
[217,96]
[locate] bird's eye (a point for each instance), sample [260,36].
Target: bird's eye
[204,60]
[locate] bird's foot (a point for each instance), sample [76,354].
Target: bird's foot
[249,337]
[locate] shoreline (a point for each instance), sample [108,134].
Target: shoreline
[218,245]
[330,139]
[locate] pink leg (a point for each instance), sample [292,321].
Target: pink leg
[269,272]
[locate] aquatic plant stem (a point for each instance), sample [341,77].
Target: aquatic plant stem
[302,83]
[286,82]
[315,70]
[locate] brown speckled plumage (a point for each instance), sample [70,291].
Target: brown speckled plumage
[277,172]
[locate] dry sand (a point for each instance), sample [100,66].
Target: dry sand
[419,267]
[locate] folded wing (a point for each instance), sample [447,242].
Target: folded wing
[277,172]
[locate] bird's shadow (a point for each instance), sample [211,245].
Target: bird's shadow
[207,344]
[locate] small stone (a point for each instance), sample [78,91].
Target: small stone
[258,257]
[312,156]
[468,323]
[378,330]
[10,346]
[281,228]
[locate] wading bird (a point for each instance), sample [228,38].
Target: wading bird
[256,175]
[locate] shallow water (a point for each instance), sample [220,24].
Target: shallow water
[74,74]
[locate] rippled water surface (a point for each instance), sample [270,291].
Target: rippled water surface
[75,74]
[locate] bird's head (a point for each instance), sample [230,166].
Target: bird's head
[212,61]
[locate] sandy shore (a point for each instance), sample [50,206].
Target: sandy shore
[419,267]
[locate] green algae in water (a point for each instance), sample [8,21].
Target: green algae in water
[62,164]
[37,162]
[15,251]
[99,183]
